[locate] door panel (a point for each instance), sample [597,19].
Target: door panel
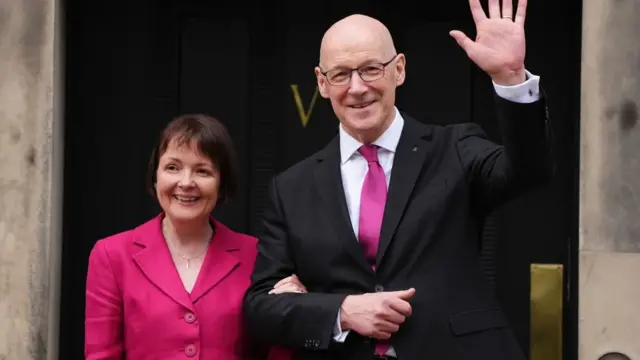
[437,89]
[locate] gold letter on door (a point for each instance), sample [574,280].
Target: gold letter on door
[305,115]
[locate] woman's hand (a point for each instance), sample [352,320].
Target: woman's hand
[290,284]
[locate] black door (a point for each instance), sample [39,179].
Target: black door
[132,66]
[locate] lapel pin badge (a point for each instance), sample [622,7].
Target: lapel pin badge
[415,148]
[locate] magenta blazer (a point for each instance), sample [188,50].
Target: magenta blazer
[138,309]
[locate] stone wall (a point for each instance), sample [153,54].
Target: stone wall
[30,178]
[609,298]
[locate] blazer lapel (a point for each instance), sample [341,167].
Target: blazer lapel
[154,260]
[328,180]
[218,262]
[410,156]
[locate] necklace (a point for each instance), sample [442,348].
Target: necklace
[175,251]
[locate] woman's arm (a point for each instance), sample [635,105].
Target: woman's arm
[103,311]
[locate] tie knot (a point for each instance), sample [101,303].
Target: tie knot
[369,152]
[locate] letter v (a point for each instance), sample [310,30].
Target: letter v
[304,115]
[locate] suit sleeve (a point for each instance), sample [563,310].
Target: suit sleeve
[292,320]
[103,309]
[499,173]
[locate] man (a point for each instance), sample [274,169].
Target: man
[382,225]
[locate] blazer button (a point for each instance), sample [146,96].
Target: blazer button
[189,317]
[378,288]
[190,350]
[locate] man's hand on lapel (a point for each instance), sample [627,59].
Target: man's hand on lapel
[499,48]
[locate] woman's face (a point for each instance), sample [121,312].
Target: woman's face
[187,183]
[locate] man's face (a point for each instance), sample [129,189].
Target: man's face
[363,100]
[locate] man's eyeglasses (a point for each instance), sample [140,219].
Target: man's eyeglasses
[368,72]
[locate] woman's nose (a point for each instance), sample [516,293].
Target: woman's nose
[186,179]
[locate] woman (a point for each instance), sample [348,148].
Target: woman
[173,286]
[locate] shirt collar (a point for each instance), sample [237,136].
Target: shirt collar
[388,140]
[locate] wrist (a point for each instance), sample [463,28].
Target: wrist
[510,78]
[344,314]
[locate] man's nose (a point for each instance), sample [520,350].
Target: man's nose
[357,85]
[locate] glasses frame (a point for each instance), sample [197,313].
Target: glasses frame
[360,70]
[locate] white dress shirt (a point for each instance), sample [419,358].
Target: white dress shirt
[354,167]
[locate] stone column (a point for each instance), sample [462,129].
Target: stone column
[610,181]
[30,178]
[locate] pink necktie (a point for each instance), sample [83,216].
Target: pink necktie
[372,201]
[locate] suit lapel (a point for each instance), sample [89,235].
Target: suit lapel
[411,153]
[328,180]
[154,260]
[218,263]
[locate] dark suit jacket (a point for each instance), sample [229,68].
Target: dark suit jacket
[444,181]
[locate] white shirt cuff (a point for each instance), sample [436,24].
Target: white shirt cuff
[339,335]
[525,93]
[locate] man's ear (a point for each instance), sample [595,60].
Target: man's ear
[322,83]
[400,69]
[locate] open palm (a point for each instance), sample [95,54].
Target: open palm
[499,48]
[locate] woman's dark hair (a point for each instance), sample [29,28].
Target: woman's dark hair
[212,140]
